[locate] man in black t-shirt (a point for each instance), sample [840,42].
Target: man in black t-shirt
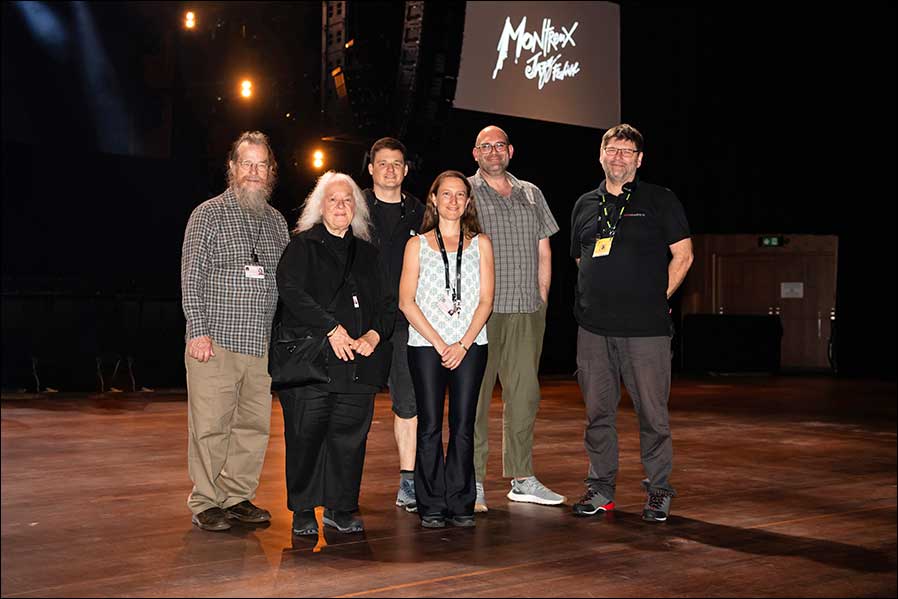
[397,216]
[622,235]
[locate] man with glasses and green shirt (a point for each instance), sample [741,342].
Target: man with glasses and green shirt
[515,216]
[622,235]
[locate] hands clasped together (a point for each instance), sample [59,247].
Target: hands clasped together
[452,355]
[345,346]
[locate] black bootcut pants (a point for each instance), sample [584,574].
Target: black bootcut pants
[444,485]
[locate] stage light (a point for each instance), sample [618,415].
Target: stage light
[246,88]
[190,20]
[318,159]
[46,27]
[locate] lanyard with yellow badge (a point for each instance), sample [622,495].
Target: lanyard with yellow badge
[605,234]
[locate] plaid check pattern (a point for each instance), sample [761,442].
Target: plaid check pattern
[514,225]
[217,298]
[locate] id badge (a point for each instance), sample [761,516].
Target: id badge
[254,271]
[603,247]
[446,305]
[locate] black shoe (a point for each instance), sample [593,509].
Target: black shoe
[657,507]
[304,523]
[433,521]
[462,521]
[245,511]
[592,503]
[213,518]
[343,521]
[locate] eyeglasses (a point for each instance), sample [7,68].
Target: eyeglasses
[340,202]
[487,148]
[248,165]
[625,152]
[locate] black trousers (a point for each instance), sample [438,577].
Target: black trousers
[325,436]
[445,485]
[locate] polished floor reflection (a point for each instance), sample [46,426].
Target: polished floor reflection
[787,487]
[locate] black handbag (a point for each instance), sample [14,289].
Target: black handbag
[297,356]
[297,359]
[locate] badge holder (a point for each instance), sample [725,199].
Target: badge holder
[448,306]
[254,271]
[603,247]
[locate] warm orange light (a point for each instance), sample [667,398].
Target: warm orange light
[318,159]
[246,88]
[190,20]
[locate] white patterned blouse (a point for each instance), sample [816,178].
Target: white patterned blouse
[432,291]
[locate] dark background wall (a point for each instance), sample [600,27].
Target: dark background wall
[761,119]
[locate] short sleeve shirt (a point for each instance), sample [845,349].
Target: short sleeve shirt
[624,294]
[515,225]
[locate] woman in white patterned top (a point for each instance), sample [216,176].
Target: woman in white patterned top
[446,293]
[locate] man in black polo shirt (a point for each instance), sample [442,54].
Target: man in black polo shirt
[621,237]
[396,216]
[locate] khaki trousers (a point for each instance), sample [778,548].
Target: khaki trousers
[228,421]
[515,346]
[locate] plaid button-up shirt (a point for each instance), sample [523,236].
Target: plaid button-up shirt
[514,225]
[219,300]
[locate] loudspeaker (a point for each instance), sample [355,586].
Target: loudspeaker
[360,53]
[429,59]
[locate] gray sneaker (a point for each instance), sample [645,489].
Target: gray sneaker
[406,496]
[657,507]
[480,500]
[530,490]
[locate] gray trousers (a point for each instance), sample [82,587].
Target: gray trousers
[644,365]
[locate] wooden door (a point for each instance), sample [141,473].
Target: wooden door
[800,288]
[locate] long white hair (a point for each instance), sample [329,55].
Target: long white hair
[311,212]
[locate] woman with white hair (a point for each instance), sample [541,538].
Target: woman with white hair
[330,283]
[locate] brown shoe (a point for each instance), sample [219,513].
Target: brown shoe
[247,512]
[213,518]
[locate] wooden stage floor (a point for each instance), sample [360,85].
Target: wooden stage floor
[787,487]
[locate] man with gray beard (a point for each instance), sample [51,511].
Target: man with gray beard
[230,254]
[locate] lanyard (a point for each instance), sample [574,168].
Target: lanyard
[254,255]
[255,240]
[611,229]
[456,293]
[247,228]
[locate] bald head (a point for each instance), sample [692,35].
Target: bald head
[492,132]
[492,151]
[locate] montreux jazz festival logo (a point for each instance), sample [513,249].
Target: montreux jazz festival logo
[545,64]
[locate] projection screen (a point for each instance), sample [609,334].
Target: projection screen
[550,61]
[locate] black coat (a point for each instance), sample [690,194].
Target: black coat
[309,273]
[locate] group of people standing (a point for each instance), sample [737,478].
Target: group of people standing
[452,294]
